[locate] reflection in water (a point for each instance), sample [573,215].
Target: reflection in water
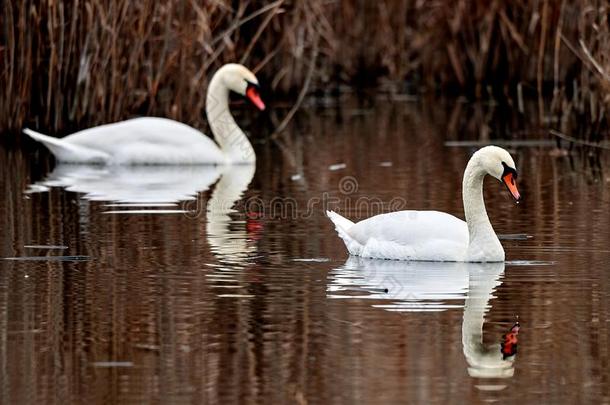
[425,286]
[410,286]
[132,186]
[229,245]
[485,361]
[150,187]
[229,239]
[510,341]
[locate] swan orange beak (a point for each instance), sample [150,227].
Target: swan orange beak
[511,183]
[255,98]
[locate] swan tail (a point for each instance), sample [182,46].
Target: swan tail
[342,226]
[65,151]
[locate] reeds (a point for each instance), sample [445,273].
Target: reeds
[70,64]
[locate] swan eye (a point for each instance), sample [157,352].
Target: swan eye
[508,170]
[250,85]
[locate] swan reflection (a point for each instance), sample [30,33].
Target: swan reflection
[231,240]
[426,286]
[132,186]
[174,189]
[168,189]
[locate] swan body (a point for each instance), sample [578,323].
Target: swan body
[407,235]
[153,140]
[433,235]
[135,141]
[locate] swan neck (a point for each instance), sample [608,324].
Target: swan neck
[472,194]
[483,241]
[232,140]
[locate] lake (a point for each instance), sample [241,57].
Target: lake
[206,285]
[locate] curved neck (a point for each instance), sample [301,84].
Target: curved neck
[232,140]
[483,242]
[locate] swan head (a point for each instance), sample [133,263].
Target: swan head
[497,162]
[242,81]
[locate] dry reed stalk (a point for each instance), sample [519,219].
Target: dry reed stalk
[67,65]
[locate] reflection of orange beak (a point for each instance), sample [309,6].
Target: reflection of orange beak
[253,95]
[511,183]
[508,347]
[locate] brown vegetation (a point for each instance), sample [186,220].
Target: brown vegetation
[70,64]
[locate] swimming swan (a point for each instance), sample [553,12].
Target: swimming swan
[152,140]
[433,235]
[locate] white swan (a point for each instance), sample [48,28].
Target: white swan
[433,235]
[152,140]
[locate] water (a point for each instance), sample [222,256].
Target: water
[147,285]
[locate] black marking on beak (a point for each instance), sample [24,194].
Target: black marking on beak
[252,85]
[507,170]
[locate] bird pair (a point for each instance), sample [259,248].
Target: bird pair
[403,235]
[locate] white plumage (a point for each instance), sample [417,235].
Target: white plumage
[143,140]
[405,235]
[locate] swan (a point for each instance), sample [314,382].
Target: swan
[433,235]
[153,140]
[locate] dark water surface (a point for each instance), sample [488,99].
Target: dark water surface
[167,285]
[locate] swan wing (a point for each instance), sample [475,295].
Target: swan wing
[412,235]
